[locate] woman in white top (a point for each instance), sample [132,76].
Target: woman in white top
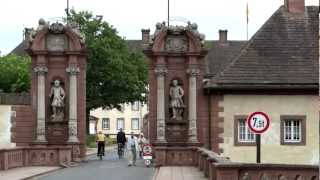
[141,141]
[132,146]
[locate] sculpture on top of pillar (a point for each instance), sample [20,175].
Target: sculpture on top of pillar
[176,100]
[58,95]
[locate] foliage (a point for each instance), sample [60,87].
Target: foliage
[91,141]
[115,74]
[15,74]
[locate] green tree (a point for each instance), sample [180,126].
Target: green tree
[115,74]
[15,73]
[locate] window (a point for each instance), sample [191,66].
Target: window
[242,134]
[120,123]
[135,123]
[293,130]
[105,123]
[135,106]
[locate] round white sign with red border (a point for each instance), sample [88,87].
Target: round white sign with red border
[258,122]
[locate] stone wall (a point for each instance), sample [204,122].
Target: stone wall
[35,156]
[23,126]
[15,99]
[216,167]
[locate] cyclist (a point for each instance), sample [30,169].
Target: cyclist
[100,139]
[121,141]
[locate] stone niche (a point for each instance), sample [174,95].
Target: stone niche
[176,70]
[58,87]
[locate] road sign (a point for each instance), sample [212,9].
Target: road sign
[146,149]
[258,122]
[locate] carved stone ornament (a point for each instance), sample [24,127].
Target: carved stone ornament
[42,24]
[41,127]
[40,70]
[159,28]
[73,70]
[264,177]
[283,177]
[246,177]
[72,127]
[76,29]
[57,42]
[193,71]
[193,27]
[161,71]
[30,33]
[56,28]
[176,44]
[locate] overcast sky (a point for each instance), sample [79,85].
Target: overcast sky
[130,16]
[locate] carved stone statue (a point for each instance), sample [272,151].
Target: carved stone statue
[76,29]
[57,94]
[176,101]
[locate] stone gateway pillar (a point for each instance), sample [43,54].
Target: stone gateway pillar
[176,70]
[193,72]
[160,71]
[73,124]
[58,90]
[41,117]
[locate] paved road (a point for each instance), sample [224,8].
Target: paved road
[110,168]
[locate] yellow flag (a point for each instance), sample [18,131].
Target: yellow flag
[247,13]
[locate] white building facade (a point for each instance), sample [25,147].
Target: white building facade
[130,119]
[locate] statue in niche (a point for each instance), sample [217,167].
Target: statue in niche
[176,101]
[57,94]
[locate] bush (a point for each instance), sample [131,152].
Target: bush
[91,141]
[111,141]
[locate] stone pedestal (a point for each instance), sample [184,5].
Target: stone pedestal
[176,68]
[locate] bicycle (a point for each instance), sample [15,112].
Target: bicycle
[100,155]
[100,152]
[120,150]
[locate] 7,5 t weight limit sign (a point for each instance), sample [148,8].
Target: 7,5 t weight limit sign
[258,122]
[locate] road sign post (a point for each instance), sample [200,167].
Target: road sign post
[258,123]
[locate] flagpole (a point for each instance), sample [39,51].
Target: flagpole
[247,13]
[168,12]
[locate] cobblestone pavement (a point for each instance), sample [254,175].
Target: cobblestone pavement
[110,168]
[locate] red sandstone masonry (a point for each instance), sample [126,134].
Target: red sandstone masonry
[216,167]
[216,120]
[23,129]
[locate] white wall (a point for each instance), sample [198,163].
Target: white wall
[5,125]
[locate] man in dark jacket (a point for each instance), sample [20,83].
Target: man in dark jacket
[121,141]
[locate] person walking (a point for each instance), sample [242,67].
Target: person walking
[101,140]
[132,147]
[141,141]
[121,141]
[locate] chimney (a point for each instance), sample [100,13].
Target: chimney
[223,36]
[294,6]
[145,36]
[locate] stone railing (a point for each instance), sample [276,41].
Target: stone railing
[15,99]
[216,167]
[34,156]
